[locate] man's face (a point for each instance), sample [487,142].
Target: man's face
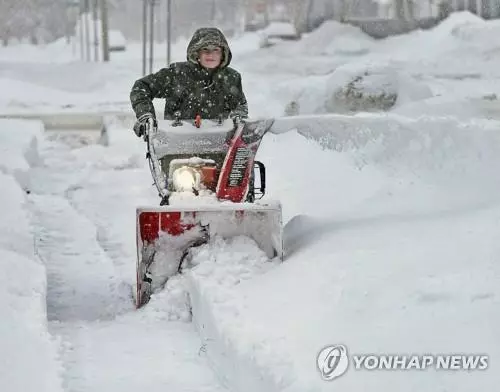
[210,57]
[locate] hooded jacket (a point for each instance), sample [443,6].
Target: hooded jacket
[189,88]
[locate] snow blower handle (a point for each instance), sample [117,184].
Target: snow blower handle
[151,128]
[154,163]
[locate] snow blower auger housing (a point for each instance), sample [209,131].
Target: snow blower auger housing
[205,173]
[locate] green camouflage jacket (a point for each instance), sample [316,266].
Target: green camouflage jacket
[191,89]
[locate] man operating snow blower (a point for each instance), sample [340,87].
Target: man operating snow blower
[203,86]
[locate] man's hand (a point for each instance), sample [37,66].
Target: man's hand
[142,125]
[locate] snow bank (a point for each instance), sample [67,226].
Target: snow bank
[485,106]
[19,145]
[477,31]
[51,53]
[64,86]
[456,21]
[405,70]
[374,266]
[360,88]
[466,33]
[30,362]
[222,268]
[366,292]
[450,42]
[316,53]
[333,39]
[15,230]
[279,29]
[18,151]
[475,37]
[444,147]
[39,95]
[371,89]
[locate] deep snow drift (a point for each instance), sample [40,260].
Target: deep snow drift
[391,226]
[388,252]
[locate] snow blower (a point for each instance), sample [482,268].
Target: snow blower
[206,175]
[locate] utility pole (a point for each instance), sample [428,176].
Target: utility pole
[94,25]
[87,32]
[104,30]
[72,12]
[151,33]
[169,31]
[148,34]
[144,34]
[67,27]
[74,18]
[80,29]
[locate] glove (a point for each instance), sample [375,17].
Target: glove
[141,126]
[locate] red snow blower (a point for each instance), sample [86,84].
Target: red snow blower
[205,173]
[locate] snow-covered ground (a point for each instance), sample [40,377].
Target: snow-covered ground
[391,223]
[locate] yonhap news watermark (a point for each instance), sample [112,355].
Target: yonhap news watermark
[334,360]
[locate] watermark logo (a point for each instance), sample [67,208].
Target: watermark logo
[334,360]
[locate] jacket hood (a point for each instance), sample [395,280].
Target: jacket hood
[208,36]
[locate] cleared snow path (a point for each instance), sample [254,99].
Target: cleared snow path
[81,279]
[106,344]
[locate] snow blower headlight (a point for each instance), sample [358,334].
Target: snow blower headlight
[186,178]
